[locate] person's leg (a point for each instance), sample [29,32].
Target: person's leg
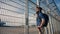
[41,31]
[38,30]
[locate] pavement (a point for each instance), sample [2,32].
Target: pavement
[17,30]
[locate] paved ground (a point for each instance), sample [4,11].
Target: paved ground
[17,30]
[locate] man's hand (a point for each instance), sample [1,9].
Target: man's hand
[40,27]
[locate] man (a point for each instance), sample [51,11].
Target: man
[41,19]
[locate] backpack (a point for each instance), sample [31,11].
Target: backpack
[46,19]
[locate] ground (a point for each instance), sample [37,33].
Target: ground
[17,30]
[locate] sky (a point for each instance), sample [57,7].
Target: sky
[58,3]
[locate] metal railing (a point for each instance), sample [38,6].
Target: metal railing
[13,13]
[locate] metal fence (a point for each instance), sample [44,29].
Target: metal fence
[13,14]
[52,10]
[12,18]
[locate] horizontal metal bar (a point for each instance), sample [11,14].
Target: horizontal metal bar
[31,20]
[18,3]
[11,10]
[54,17]
[32,16]
[12,22]
[32,2]
[32,6]
[22,1]
[14,26]
[31,13]
[12,5]
[11,16]
[32,9]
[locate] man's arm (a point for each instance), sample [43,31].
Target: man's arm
[42,22]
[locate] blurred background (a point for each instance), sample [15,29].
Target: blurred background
[13,14]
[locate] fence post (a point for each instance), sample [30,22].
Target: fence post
[38,3]
[50,19]
[26,18]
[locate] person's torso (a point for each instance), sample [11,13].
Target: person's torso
[39,18]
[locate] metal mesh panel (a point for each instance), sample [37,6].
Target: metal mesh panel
[32,18]
[12,16]
[50,7]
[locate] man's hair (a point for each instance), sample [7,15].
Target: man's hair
[39,8]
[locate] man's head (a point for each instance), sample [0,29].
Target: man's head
[38,8]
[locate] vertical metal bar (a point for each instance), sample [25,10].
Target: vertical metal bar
[49,28]
[51,25]
[26,18]
[50,18]
[46,30]
[38,3]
